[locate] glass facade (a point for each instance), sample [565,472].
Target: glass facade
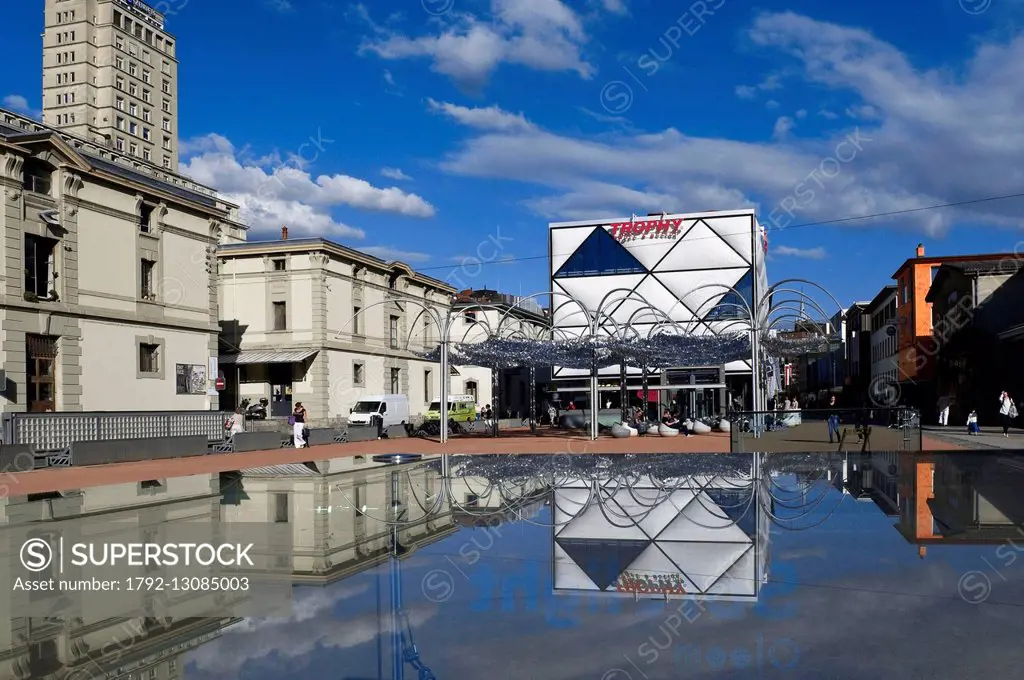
[600,254]
[731,306]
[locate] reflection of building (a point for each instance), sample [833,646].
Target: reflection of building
[683,266]
[339,511]
[961,498]
[707,538]
[875,477]
[110,75]
[313,321]
[123,646]
[109,262]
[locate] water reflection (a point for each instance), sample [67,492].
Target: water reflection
[643,567]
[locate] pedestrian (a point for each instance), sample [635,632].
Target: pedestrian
[972,423]
[943,406]
[833,419]
[299,418]
[1007,410]
[572,406]
[235,423]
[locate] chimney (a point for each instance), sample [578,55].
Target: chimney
[920,250]
[284,233]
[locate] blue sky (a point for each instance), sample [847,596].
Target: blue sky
[442,130]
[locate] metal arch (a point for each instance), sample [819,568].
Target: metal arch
[772,288]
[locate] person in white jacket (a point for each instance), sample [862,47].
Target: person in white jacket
[1007,411]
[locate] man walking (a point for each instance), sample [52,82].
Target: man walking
[943,411]
[833,419]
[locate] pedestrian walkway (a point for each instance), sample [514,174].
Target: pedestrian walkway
[990,438]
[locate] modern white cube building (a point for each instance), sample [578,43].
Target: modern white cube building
[697,270]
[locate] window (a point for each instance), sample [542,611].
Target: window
[167,143]
[394,332]
[470,317]
[133,49]
[133,128]
[133,149]
[147,280]
[147,97]
[146,77]
[471,389]
[37,177]
[146,134]
[167,106]
[119,83]
[358,375]
[40,254]
[280,265]
[600,254]
[119,42]
[146,217]
[167,162]
[40,374]
[119,103]
[166,67]
[119,63]
[145,57]
[357,320]
[133,69]
[427,386]
[167,125]
[147,115]
[280,508]
[149,358]
[119,123]
[133,89]
[146,155]
[133,109]
[396,380]
[280,316]
[166,87]
[119,144]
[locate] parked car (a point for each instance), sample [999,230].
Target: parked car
[387,409]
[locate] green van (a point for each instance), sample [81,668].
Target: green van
[461,409]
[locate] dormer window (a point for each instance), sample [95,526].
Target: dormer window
[393,282]
[37,177]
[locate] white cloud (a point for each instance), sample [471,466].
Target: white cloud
[772,105]
[389,253]
[18,103]
[544,35]
[937,139]
[805,253]
[490,118]
[828,115]
[783,126]
[280,5]
[272,192]
[395,174]
[616,6]
[746,91]
[801,114]
[388,78]
[862,112]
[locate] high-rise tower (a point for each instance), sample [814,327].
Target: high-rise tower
[110,75]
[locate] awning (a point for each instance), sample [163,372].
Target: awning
[267,357]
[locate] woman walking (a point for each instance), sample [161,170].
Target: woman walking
[299,417]
[1007,411]
[833,419]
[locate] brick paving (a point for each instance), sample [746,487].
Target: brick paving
[64,479]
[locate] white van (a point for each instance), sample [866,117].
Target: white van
[392,409]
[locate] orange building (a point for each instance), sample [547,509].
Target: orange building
[917,351]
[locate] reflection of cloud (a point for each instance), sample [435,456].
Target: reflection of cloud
[291,641]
